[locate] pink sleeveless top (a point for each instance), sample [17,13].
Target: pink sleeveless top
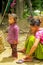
[39,34]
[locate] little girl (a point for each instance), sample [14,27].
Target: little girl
[13,31]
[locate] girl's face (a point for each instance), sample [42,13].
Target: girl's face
[11,20]
[33,29]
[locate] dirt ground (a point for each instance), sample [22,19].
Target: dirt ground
[5,58]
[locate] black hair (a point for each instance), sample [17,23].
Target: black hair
[34,22]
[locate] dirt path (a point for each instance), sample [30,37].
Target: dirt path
[6,60]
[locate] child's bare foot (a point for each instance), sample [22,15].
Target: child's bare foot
[15,58]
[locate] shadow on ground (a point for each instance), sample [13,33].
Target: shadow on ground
[7,59]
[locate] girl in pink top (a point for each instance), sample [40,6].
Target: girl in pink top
[13,31]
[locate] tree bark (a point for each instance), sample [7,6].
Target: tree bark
[20,8]
[30,6]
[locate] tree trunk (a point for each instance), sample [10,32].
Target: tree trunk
[20,8]
[17,8]
[30,6]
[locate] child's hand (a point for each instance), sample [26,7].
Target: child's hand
[15,42]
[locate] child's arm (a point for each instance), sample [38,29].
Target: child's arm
[16,30]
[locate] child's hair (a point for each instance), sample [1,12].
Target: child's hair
[35,22]
[13,15]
